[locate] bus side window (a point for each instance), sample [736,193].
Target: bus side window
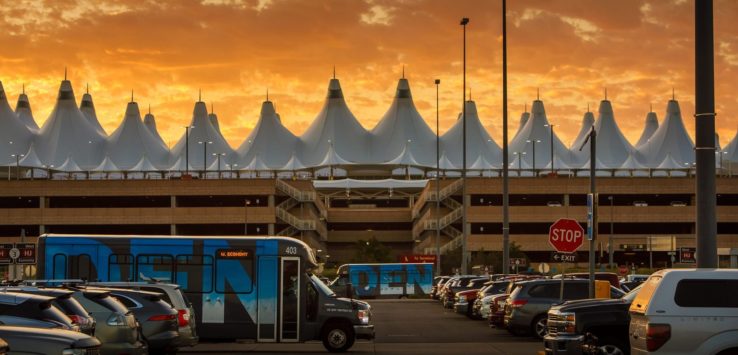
[59,268]
[234,275]
[195,273]
[312,302]
[155,266]
[80,267]
[120,267]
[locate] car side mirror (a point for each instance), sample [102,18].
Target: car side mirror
[349,290]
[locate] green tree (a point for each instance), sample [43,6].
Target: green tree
[372,251]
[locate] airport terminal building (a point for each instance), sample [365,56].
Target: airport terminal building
[339,183]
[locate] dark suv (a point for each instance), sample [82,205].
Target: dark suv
[601,325]
[527,308]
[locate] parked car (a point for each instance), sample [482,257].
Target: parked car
[438,282]
[158,319]
[686,311]
[28,310]
[497,303]
[480,308]
[464,283]
[23,340]
[527,307]
[117,327]
[454,281]
[172,294]
[65,302]
[589,326]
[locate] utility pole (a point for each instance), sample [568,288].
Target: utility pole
[505,158]
[438,188]
[705,135]
[464,229]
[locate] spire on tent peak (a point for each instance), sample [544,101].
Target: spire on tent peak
[403,71]
[65,73]
[538,94]
[267,98]
[525,108]
[605,94]
[23,90]
[132,95]
[334,71]
[199,95]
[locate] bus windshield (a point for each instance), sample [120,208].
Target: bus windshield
[322,286]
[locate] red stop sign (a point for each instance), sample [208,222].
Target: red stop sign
[566,235]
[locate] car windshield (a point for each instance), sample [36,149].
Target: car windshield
[630,296]
[325,289]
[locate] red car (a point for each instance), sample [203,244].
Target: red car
[463,301]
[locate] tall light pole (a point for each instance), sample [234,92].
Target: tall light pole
[610,247]
[438,188]
[551,126]
[704,83]
[464,258]
[217,156]
[17,164]
[204,156]
[505,157]
[520,162]
[534,141]
[10,143]
[187,149]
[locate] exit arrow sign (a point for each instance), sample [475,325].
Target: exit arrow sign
[563,257]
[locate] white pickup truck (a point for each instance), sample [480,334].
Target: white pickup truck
[686,311]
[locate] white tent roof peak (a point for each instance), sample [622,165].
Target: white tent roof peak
[293,164]
[587,122]
[478,140]
[632,163]
[730,150]
[651,125]
[106,165]
[69,165]
[405,158]
[31,159]
[337,124]
[670,138]
[269,139]
[612,146]
[132,140]
[24,112]
[524,117]
[332,158]
[15,136]
[150,123]
[67,132]
[87,106]
[538,128]
[402,123]
[202,130]
[444,163]
[144,165]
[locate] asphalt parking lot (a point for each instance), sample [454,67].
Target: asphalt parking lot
[404,327]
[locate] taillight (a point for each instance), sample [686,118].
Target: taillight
[657,335]
[75,318]
[183,317]
[518,303]
[162,317]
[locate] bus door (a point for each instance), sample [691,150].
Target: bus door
[266,299]
[289,310]
[78,262]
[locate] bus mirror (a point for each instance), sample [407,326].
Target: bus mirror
[349,290]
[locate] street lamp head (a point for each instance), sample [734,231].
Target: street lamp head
[464,21]
[438,81]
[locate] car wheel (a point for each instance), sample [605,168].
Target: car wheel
[609,346]
[539,327]
[338,337]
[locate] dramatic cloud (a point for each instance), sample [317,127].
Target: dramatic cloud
[234,50]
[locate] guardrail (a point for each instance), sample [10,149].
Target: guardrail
[302,196]
[430,196]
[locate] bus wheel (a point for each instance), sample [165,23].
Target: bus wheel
[338,337]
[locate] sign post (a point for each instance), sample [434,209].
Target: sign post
[565,236]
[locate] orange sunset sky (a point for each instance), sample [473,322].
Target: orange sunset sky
[235,49]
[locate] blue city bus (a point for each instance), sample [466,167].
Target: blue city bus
[259,288]
[384,280]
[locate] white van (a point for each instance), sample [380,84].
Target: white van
[686,311]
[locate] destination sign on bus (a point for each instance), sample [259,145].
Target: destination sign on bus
[233,254]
